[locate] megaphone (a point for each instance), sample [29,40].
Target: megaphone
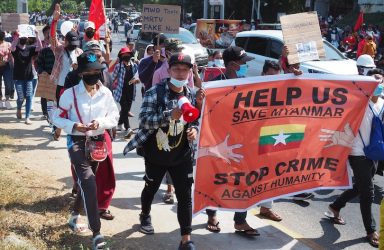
[190,113]
[66,27]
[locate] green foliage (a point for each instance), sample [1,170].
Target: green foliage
[8,6]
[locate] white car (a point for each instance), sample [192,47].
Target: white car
[135,31]
[268,44]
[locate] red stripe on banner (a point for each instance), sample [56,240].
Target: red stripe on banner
[263,149]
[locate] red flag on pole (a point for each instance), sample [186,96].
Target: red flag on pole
[359,22]
[97,14]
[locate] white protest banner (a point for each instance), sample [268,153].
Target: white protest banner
[161,18]
[9,21]
[26,30]
[302,36]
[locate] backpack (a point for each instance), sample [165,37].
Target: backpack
[160,92]
[375,150]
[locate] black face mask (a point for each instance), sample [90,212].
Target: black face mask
[71,47]
[23,41]
[89,33]
[91,79]
[126,58]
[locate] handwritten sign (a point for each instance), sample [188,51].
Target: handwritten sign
[26,30]
[161,18]
[10,21]
[46,88]
[302,36]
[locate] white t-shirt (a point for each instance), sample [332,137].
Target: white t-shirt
[365,128]
[67,65]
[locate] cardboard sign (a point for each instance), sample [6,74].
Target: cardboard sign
[302,36]
[267,137]
[45,87]
[26,30]
[10,21]
[161,18]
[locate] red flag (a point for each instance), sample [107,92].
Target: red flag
[359,21]
[97,14]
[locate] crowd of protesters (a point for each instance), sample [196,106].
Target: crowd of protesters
[93,103]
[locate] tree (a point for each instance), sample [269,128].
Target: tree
[8,6]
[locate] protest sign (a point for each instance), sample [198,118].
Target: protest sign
[46,88]
[10,21]
[161,18]
[26,30]
[302,36]
[264,138]
[217,33]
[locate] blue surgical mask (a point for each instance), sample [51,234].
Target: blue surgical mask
[378,90]
[178,83]
[219,62]
[242,72]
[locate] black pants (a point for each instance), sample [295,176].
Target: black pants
[182,176]
[363,172]
[126,104]
[239,217]
[85,172]
[44,106]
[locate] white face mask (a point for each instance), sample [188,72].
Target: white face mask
[178,83]
[210,64]
[219,62]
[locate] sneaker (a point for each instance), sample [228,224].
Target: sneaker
[146,224]
[28,121]
[189,245]
[128,134]
[8,105]
[169,198]
[120,127]
[302,196]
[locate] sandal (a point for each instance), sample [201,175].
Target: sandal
[56,135]
[78,228]
[335,219]
[106,215]
[212,227]
[271,215]
[248,232]
[373,239]
[99,242]
[169,198]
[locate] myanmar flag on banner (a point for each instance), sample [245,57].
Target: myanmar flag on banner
[280,137]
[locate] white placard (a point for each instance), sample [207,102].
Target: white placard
[26,30]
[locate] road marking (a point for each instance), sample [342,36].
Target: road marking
[289,232]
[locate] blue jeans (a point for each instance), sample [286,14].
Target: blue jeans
[24,89]
[6,75]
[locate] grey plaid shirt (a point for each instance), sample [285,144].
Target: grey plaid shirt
[152,117]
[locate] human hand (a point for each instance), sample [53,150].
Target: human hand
[342,138]
[225,151]
[195,69]
[80,127]
[200,95]
[94,125]
[56,12]
[191,134]
[176,114]
[285,51]
[156,56]
[134,81]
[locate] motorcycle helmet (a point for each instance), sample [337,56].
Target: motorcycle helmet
[364,64]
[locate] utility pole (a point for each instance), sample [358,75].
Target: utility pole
[205,14]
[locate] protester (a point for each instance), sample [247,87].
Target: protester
[127,27]
[364,170]
[45,62]
[5,72]
[149,65]
[217,58]
[365,63]
[125,90]
[149,50]
[86,111]
[235,61]
[22,74]
[89,29]
[360,46]
[65,58]
[166,142]
[369,47]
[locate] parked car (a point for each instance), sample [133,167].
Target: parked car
[135,31]
[188,40]
[268,44]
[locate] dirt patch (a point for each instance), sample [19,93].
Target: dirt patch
[34,207]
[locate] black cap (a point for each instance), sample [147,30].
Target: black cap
[235,53]
[88,61]
[72,38]
[161,39]
[180,58]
